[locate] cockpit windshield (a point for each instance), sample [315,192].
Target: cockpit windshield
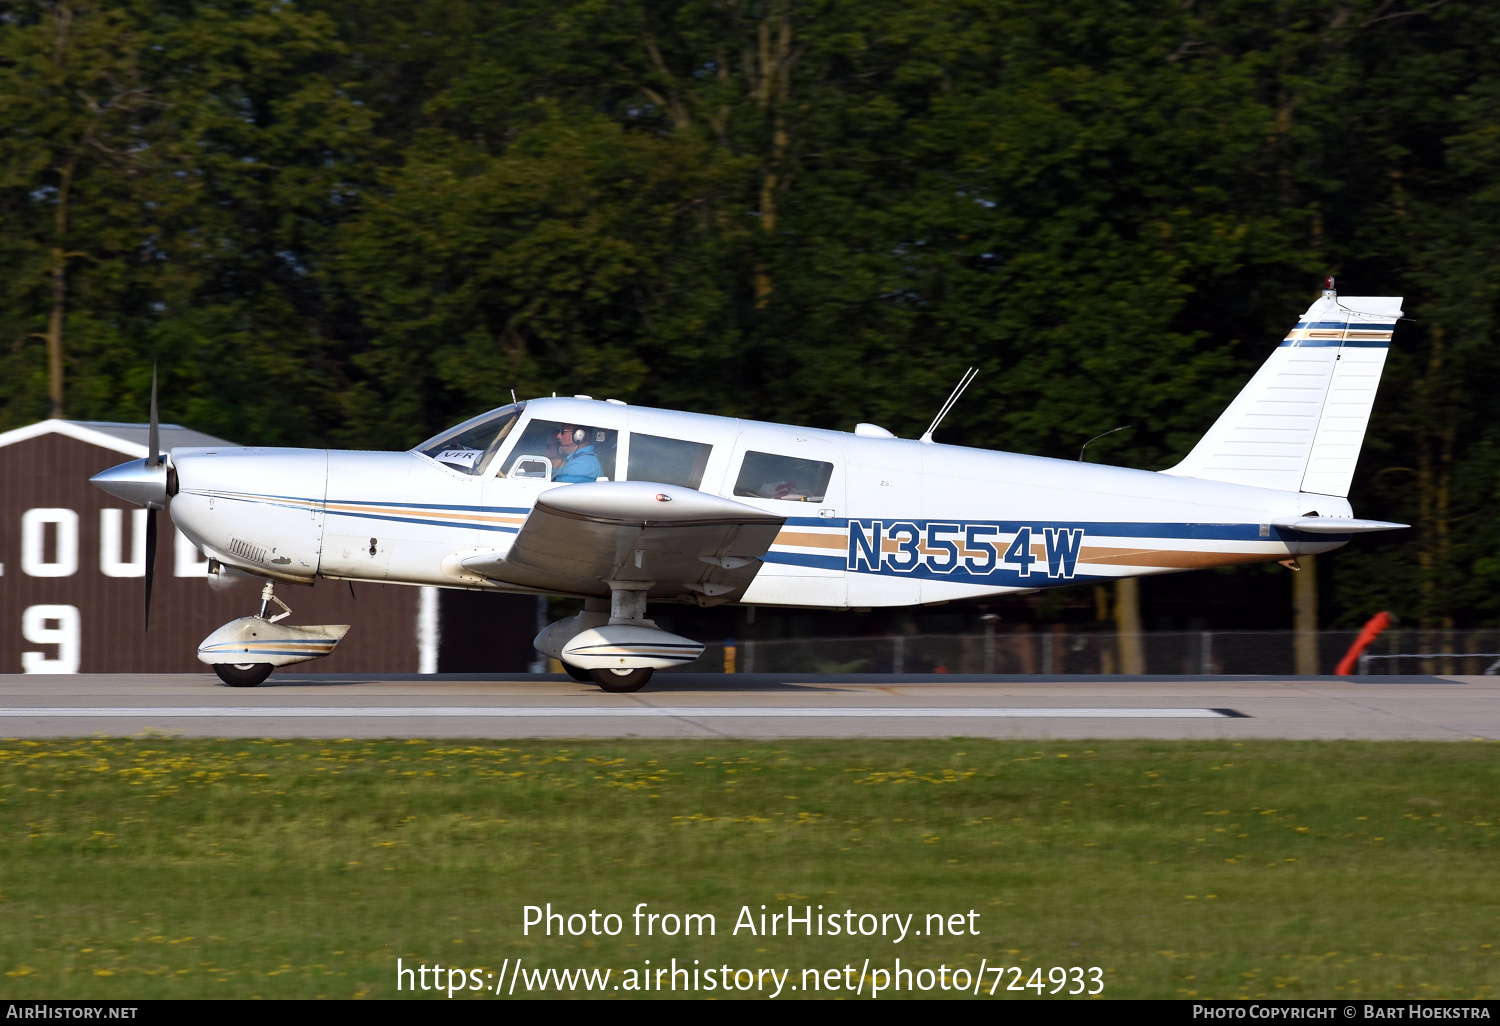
[471,446]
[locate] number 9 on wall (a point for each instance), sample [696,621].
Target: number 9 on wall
[52,625]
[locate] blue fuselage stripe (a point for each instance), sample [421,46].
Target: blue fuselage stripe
[1022,554]
[1095,529]
[459,507]
[463,525]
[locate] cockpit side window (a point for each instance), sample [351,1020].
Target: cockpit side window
[668,460]
[471,446]
[578,452]
[766,475]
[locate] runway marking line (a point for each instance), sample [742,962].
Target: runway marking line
[619,712]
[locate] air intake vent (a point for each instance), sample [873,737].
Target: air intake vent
[245,550]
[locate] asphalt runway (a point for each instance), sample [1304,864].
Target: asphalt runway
[765,706]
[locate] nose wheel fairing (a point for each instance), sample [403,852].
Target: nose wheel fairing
[251,639]
[245,651]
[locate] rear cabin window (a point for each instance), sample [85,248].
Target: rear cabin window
[668,460]
[577,452]
[766,475]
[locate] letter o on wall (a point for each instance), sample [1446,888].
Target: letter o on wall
[66,636]
[64,561]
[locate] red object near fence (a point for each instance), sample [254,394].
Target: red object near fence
[1371,630]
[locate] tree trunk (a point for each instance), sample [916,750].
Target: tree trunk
[59,311]
[1435,442]
[772,88]
[1305,616]
[55,332]
[1128,623]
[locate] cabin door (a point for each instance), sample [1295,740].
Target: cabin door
[804,479]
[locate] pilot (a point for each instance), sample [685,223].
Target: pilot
[579,463]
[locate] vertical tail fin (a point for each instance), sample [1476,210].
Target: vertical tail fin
[1300,422]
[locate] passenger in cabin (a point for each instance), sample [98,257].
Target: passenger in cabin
[770,476]
[576,461]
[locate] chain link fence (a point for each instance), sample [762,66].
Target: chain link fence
[1050,651]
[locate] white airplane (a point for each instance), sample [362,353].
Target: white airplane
[622,505]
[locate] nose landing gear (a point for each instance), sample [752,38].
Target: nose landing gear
[243,652]
[243,675]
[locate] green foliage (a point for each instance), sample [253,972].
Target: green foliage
[354,223]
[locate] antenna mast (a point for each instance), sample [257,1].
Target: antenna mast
[1100,435]
[968,378]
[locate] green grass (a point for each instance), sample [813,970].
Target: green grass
[157,867]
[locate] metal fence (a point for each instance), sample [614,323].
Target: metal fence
[1052,651]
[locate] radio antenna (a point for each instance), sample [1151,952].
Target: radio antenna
[968,378]
[1101,434]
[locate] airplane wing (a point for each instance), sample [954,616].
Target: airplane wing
[682,540]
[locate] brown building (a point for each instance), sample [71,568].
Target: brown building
[72,568]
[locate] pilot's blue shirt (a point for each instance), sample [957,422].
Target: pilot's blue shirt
[581,466]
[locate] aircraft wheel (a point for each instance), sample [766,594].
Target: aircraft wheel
[621,681]
[578,673]
[243,675]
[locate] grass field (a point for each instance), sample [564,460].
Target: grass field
[157,867]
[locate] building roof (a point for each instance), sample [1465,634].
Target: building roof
[129,439]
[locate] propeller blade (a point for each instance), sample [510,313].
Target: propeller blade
[150,560]
[154,441]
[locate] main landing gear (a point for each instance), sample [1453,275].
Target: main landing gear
[612,643]
[622,682]
[619,681]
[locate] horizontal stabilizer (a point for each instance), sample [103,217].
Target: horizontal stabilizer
[1300,422]
[1337,525]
